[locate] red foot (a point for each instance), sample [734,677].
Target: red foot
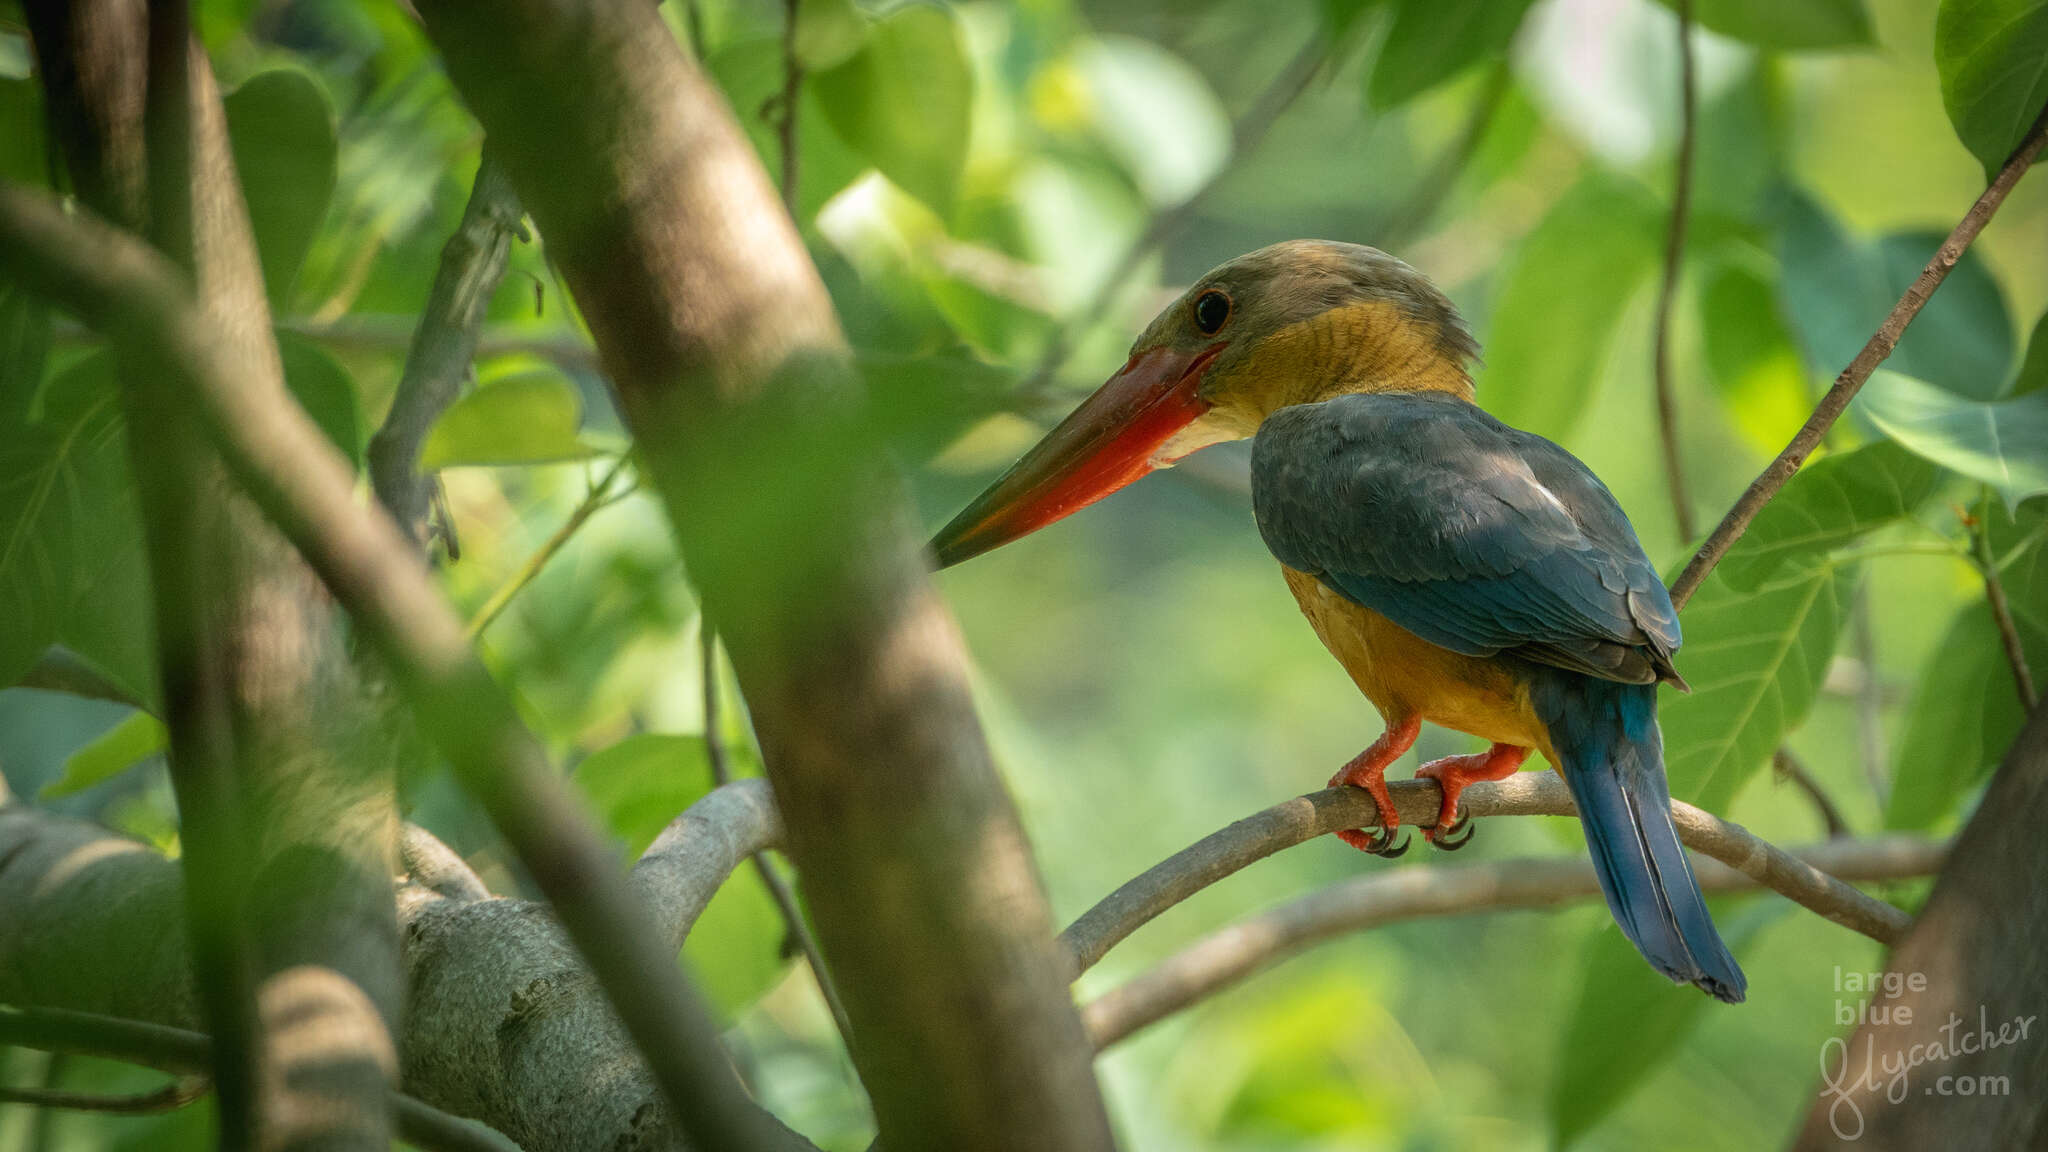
[1368,770]
[1452,773]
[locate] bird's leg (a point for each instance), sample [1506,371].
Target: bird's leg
[1452,773]
[1368,770]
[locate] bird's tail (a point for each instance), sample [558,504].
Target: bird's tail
[1612,756]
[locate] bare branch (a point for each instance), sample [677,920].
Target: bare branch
[169,1098]
[1232,954]
[1790,769]
[437,867]
[683,868]
[1304,818]
[444,344]
[1674,262]
[187,1053]
[599,496]
[1880,345]
[304,486]
[785,121]
[2001,610]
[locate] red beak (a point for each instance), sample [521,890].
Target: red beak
[1109,441]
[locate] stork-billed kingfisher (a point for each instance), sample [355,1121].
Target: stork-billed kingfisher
[1463,572]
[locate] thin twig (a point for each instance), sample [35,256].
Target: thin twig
[187,1053]
[593,500]
[302,484]
[720,758]
[1788,767]
[1232,954]
[1870,694]
[1674,262]
[437,867]
[1303,818]
[792,95]
[169,1098]
[1880,345]
[2001,610]
[1245,134]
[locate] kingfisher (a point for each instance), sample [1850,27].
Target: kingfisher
[1465,573]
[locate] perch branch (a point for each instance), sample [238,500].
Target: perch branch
[1234,953]
[1846,385]
[1303,818]
[300,481]
[437,867]
[169,1098]
[1674,263]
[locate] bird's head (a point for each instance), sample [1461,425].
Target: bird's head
[1295,323]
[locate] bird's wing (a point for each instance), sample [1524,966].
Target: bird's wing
[1470,534]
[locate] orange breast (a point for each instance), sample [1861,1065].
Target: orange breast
[1404,675]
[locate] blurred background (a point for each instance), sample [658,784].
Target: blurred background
[1000,196]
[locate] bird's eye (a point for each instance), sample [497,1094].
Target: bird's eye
[1212,308]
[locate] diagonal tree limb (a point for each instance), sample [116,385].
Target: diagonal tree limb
[1846,385]
[303,485]
[1232,954]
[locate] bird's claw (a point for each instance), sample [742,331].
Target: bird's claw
[1386,843]
[1454,835]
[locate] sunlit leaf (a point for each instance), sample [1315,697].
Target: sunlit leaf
[115,751]
[1838,289]
[326,391]
[1791,24]
[1562,297]
[282,131]
[1755,660]
[1630,1020]
[636,787]
[827,32]
[1431,41]
[750,72]
[71,564]
[1829,503]
[2004,443]
[1966,710]
[1751,356]
[1156,115]
[903,101]
[531,418]
[1993,59]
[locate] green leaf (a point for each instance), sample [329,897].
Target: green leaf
[636,787]
[1966,710]
[530,418]
[1431,41]
[1829,503]
[2033,375]
[1751,356]
[1993,60]
[71,561]
[1629,1021]
[325,390]
[282,130]
[24,342]
[1837,290]
[827,32]
[903,101]
[1755,660]
[113,752]
[24,158]
[1560,301]
[2003,443]
[1787,24]
[750,74]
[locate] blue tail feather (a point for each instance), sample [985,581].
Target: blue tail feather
[1613,758]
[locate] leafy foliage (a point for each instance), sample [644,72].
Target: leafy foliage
[2004,443]
[115,751]
[903,99]
[1432,41]
[1793,25]
[529,417]
[1993,56]
[282,132]
[1831,502]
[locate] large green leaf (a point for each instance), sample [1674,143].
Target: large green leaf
[111,753]
[1838,289]
[71,563]
[1993,59]
[325,390]
[1432,41]
[1792,24]
[1751,356]
[636,787]
[1829,503]
[1966,711]
[1629,1021]
[903,101]
[282,131]
[529,418]
[2004,443]
[1755,660]
[2033,375]
[1560,301]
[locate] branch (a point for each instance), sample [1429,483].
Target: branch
[1232,954]
[301,482]
[188,1054]
[2001,610]
[785,125]
[599,496]
[1674,262]
[1304,818]
[683,868]
[169,1098]
[1789,768]
[437,867]
[444,344]
[1880,345]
